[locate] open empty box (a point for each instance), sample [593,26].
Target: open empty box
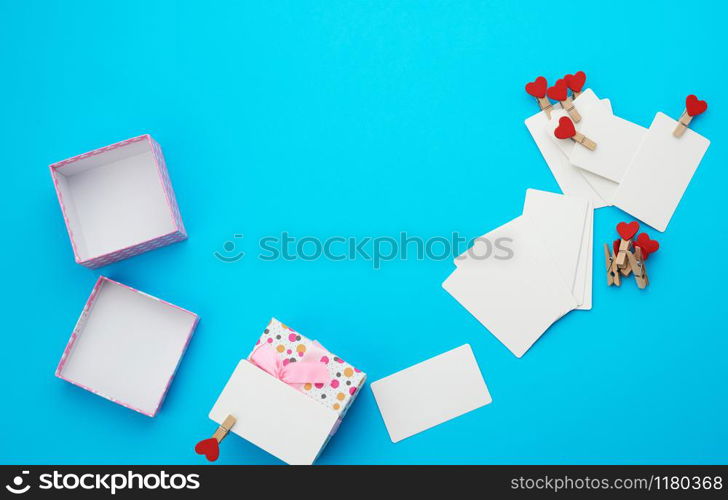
[117,201]
[126,346]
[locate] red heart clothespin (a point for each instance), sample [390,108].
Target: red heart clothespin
[560,92]
[576,82]
[624,261]
[567,130]
[537,89]
[693,107]
[647,245]
[626,232]
[210,447]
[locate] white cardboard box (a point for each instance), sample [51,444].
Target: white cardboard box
[266,410]
[126,346]
[117,201]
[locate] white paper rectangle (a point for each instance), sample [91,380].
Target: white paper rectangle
[430,393]
[567,176]
[660,172]
[559,222]
[273,415]
[586,264]
[602,186]
[617,141]
[516,296]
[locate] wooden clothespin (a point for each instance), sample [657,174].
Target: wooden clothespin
[693,107]
[537,89]
[628,255]
[612,270]
[575,82]
[567,130]
[210,447]
[637,263]
[560,92]
[626,269]
[644,247]
[626,231]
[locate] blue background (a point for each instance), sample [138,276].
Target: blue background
[359,118]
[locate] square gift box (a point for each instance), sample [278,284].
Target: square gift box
[289,396]
[117,201]
[126,346]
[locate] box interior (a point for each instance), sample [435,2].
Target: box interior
[128,347]
[114,200]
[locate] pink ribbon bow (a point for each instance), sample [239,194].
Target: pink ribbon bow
[307,370]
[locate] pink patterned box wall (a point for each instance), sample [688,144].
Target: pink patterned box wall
[77,329]
[179,234]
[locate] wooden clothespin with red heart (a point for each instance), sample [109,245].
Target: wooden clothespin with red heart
[693,107]
[560,92]
[626,232]
[629,255]
[210,447]
[567,130]
[537,89]
[575,82]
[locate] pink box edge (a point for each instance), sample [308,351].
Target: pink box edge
[180,233]
[74,335]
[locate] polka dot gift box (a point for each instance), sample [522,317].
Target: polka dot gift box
[288,397]
[344,379]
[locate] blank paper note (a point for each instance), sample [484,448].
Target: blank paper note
[430,393]
[568,177]
[617,141]
[516,296]
[559,221]
[660,172]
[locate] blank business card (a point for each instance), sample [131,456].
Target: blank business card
[430,393]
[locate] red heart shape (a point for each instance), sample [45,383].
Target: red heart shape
[576,81]
[565,129]
[694,106]
[559,91]
[647,245]
[627,231]
[208,447]
[537,88]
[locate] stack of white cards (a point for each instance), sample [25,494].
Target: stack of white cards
[642,171]
[520,278]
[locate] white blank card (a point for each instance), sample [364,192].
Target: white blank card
[660,172]
[430,393]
